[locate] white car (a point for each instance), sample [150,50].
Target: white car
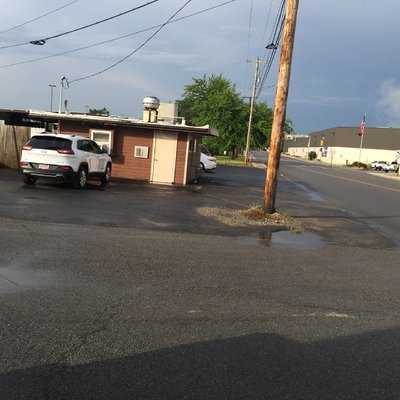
[67,158]
[207,163]
[391,167]
[378,165]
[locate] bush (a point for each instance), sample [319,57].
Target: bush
[357,164]
[312,155]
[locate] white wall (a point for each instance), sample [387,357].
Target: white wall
[343,155]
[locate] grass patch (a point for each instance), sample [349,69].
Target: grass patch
[226,160]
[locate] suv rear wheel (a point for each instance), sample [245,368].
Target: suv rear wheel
[80,179]
[29,180]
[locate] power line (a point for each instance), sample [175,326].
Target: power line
[269,12]
[275,38]
[32,60]
[272,38]
[135,50]
[39,17]
[271,59]
[250,27]
[42,41]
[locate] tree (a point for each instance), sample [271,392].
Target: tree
[102,112]
[214,100]
[262,125]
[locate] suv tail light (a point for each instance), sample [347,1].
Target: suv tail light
[24,164]
[65,151]
[27,147]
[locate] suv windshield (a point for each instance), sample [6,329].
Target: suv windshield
[50,143]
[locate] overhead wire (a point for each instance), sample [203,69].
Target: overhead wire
[42,41]
[143,44]
[53,11]
[268,18]
[275,38]
[270,61]
[250,27]
[66,52]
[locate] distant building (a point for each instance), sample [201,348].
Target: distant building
[341,145]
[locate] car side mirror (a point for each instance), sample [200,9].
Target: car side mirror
[104,149]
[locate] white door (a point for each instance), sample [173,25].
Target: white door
[164,158]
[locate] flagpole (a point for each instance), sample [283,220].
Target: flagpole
[361,147]
[363,129]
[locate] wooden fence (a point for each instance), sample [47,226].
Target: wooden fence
[12,138]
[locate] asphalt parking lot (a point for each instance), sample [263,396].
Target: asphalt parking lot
[131,293]
[139,206]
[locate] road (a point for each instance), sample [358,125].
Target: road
[374,199]
[135,293]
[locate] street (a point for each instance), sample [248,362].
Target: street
[373,199]
[173,305]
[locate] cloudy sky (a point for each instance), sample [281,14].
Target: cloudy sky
[346,59]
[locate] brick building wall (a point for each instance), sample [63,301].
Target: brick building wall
[125,164]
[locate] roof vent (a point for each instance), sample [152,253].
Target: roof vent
[151,105]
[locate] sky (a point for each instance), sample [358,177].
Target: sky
[346,58]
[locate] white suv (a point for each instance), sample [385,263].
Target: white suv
[68,158]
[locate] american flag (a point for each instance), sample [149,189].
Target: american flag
[363,125]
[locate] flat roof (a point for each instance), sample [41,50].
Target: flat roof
[19,115]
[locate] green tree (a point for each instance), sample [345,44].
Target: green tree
[102,112]
[261,126]
[214,100]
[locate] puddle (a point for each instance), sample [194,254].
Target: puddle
[305,240]
[14,279]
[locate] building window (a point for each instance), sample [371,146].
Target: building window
[103,139]
[141,152]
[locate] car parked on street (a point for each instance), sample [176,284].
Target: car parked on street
[378,165]
[65,158]
[391,167]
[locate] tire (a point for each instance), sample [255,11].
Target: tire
[105,179]
[29,180]
[202,167]
[80,179]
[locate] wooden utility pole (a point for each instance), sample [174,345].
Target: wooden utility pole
[252,99]
[277,133]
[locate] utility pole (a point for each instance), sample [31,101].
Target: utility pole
[252,99]
[277,133]
[51,86]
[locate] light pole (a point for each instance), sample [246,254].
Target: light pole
[51,86]
[63,84]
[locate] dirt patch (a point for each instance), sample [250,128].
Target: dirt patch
[253,216]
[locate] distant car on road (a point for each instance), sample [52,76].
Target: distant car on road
[378,165]
[391,167]
[66,158]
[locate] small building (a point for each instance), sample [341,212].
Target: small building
[162,152]
[342,145]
